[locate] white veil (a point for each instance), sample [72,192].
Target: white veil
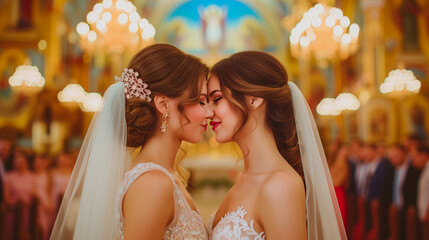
[324,221]
[89,210]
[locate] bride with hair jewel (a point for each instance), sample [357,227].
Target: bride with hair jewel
[159,101]
[285,190]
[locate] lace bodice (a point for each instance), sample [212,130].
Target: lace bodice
[233,226]
[187,223]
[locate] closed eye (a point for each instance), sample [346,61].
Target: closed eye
[217,99]
[203,101]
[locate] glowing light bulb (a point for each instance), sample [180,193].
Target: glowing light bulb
[123,18]
[330,21]
[107,17]
[92,36]
[82,28]
[338,30]
[345,21]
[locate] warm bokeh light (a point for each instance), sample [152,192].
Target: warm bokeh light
[114,26]
[72,93]
[335,106]
[324,33]
[347,101]
[91,102]
[400,82]
[328,107]
[27,79]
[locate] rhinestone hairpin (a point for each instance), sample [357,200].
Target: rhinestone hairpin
[134,86]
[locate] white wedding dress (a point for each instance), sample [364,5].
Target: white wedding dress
[187,223]
[233,226]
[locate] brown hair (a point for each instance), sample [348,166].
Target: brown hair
[169,72]
[259,74]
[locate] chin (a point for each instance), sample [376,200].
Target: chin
[222,139]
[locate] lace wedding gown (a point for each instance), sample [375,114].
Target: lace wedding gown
[187,223]
[233,226]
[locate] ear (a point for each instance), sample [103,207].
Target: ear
[254,102]
[161,103]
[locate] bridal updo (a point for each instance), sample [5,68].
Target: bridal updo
[169,72]
[259,74]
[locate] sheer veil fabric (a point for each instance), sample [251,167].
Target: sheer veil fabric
[89,209]
[324,221]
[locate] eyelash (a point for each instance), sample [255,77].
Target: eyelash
[217,99]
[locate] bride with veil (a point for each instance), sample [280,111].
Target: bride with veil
[157,102]
[285,190]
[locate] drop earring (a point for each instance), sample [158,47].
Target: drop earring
[164,123]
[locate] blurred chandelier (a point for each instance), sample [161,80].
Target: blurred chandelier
[74,95]
[114,26]
[327,107]
[335,106]
[325,33]
[27,79]
[400,82]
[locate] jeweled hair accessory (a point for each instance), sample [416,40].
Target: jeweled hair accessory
[134,86]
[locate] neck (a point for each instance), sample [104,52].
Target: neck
[160,149]
[260,151]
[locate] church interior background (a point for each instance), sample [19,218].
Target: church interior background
[343,62]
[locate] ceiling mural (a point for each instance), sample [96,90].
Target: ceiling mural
[214,26]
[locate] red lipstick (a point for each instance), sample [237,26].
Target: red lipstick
[214,124]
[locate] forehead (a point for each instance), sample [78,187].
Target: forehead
[213,83]
[204,89]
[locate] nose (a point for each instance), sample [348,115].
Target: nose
[208,112]
[211,105]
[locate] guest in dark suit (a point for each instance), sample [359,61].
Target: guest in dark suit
[412,143]
[396,159]
[423,191]
[5,153]
[378,182]
[353,159]
[379,178]
[409,188]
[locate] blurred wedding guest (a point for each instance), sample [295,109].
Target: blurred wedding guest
[410,185]
[42,181]
[412,178]
[339,170]
[423,190]
[402,165]
[379,169]
[365,172]
[411,143]
[5,152]
[381,184]
[396,159]
[370,164]
[354,159]
[60,177]
[18,193]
